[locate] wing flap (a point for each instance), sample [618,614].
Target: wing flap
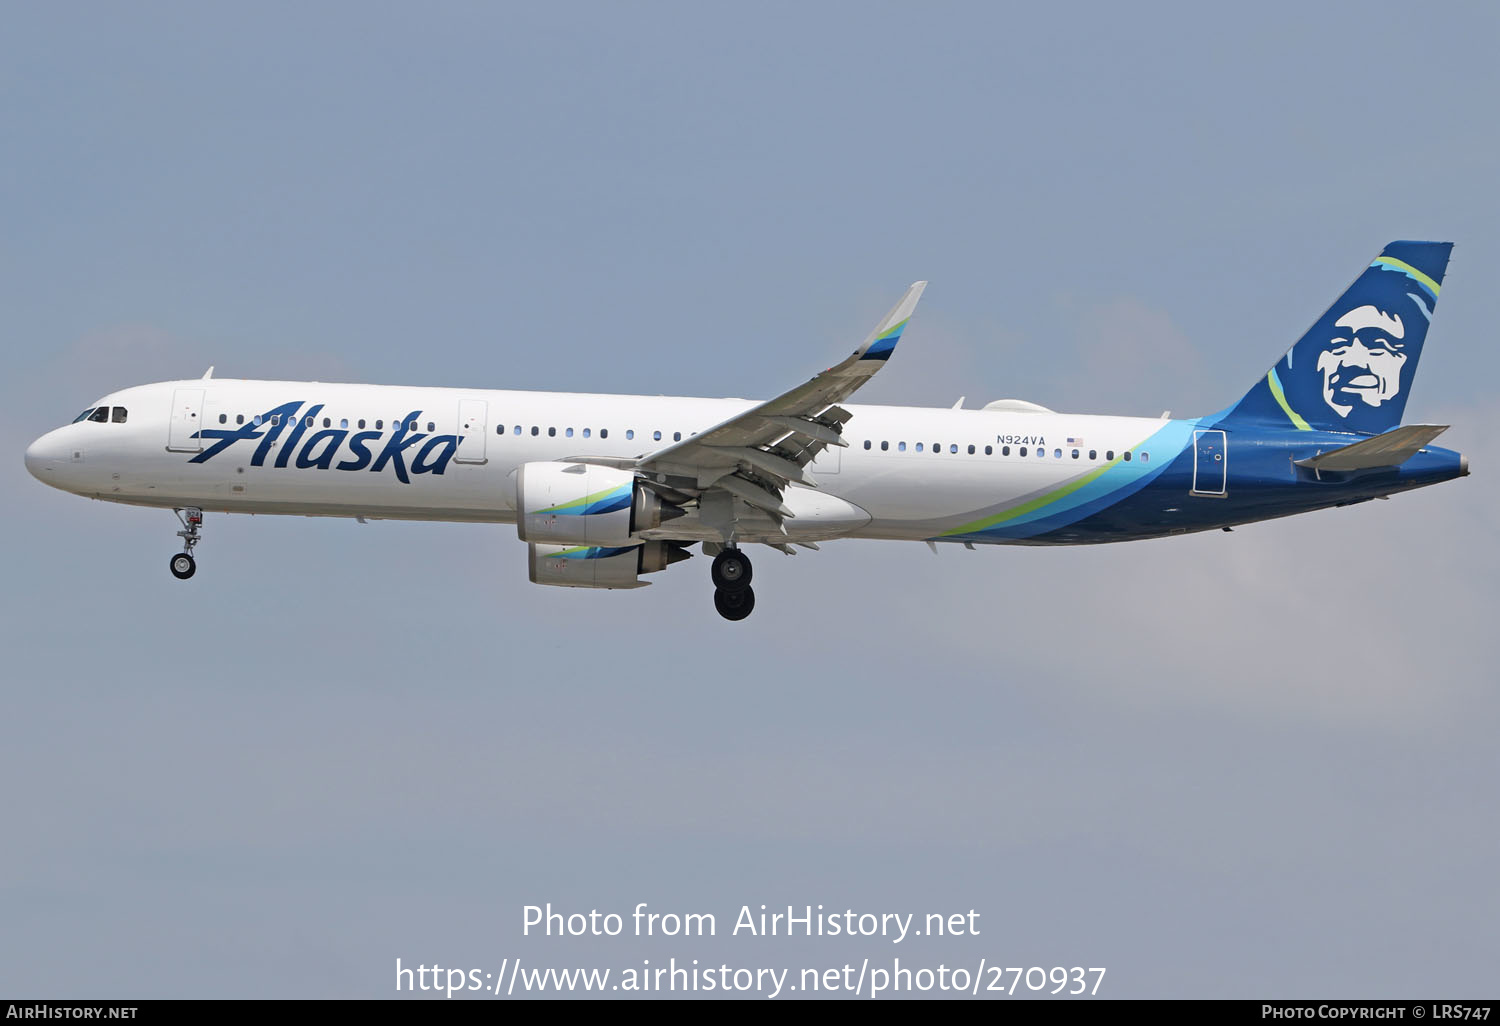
[754,495]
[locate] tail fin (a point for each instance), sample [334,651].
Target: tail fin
[1354,368]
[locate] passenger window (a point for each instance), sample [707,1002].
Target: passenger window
[309,422]
[1145,457]
[1057,454]
[988,450]
[431,426]
[239,418]
[1023,451]
[1005,451]
[568,433]
[257,420]
[656,436]
[101,415]
[971,450]
[937,446]
[275,419]
[867,443]
[499,429]
[380,425]
[327,422]
[361,424]
[885,446]
[535,431]
[676,436]
[900,446]
[586,432]
[343,423]
[223,418]
[1075,454]
[517,431]
[1093,455]
[630,433]
[1109,454]
[604,432]
[919,447]
[1125,455]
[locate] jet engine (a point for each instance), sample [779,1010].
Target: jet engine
[600,566]
[581,504]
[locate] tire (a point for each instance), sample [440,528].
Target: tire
[731,570]
[735,605]
[183,566]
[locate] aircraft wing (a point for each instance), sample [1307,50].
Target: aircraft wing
[754,455]
[1389,449]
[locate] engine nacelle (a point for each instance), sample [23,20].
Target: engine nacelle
[600,566]
[581,504]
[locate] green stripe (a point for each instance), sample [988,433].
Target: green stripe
[580,502]
[1280,397]
[893,330]
[1402,265]
[1033,505]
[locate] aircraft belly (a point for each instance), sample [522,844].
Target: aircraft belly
[475,493]
[907,507]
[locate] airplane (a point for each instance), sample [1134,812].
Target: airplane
[606,489]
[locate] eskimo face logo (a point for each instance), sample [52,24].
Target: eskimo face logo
[1363,361]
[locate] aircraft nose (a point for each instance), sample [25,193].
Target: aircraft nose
[42,456]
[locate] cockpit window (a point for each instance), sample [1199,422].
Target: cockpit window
[118,416]
[83,416]
[101,415]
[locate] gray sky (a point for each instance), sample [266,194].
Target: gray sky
[1247,764]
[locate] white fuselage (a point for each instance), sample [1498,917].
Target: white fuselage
[911,472]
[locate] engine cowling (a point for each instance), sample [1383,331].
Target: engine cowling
[600,566]
[581,504]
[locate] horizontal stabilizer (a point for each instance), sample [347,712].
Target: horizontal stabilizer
[1390,449]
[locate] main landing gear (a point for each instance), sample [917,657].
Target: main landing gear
[183,565]
[731,573]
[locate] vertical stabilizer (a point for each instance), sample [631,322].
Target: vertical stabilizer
[1353,370]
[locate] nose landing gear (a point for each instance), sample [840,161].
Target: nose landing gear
[731,573]
[183,565]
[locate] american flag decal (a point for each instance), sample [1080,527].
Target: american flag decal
[1075,441]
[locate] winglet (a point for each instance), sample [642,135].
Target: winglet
[882,341]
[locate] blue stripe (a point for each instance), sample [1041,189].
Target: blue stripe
[593,552]
[1119,481]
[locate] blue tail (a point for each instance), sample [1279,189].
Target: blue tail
[1353,370]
